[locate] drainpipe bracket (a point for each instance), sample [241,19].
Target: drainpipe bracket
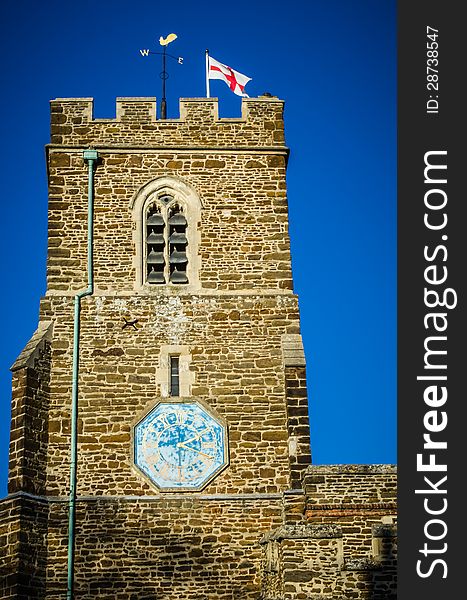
[90,155]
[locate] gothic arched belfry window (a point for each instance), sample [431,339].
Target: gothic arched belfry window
[166,242]
[167,213]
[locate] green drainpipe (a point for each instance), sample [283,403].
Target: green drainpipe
[90,157]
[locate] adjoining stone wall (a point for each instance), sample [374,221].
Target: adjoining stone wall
[344,546]
[362,501]
[344,487]
[307,561]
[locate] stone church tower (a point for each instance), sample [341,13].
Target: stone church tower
[170,323]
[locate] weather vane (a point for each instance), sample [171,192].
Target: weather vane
[164,75]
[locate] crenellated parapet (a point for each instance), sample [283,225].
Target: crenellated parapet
[199,125]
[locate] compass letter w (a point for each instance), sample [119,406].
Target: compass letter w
[144,52]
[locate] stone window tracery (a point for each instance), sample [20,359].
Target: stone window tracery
[167,215]
[166,242]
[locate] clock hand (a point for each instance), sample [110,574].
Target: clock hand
[196,437]
[179,452]
[183,445]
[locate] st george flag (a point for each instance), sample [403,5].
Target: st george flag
[235,80]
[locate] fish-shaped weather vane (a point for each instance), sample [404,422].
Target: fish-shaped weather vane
[170,38]
[164,42]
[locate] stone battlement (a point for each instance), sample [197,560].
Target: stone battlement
[199,125]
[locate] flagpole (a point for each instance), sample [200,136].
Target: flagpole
[207,74]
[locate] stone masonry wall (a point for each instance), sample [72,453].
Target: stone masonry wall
[345,544]
[232,324]
[235,344]
[165,549]
[244,241]
[298,423]
[29,415]
[361,499]
[10,525]
[23,520]
[23,529]
[345,487]
[235,166]
[261,125]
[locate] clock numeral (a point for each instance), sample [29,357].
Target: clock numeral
[180,417]
[153,452]
[164,419]
[202,466]
[207,461]
[208,445]
[180,474]
[164,471]
[151,444]
[204,432]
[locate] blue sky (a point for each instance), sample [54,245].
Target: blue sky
[334,63]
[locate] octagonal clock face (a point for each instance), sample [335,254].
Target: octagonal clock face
[180,445]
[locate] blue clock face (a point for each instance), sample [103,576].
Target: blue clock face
[180,445]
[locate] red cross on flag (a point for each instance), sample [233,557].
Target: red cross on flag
[235,80]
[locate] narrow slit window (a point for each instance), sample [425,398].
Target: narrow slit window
[174,376]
